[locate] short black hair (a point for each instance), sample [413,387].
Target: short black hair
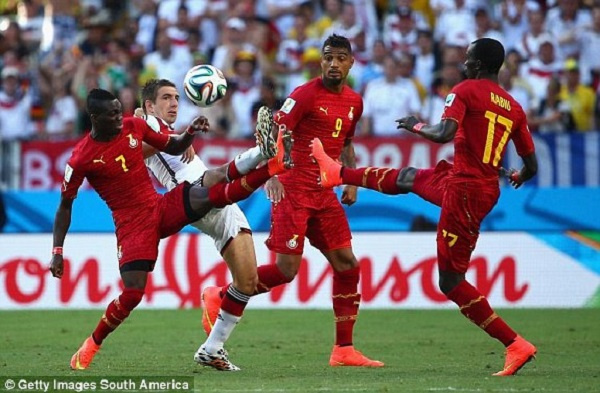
[337,41]
[96,99]
[150,90]
[490,53]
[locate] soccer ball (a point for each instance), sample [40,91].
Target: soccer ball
[204,85]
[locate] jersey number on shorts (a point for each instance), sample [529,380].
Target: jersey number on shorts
[122,159]
[452,237]
[338,127]
[507,123]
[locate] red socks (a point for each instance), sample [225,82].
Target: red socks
[224,194]
[116,312]
[475,306]
[346,300]
[379,179]
[269,276]
[232,172]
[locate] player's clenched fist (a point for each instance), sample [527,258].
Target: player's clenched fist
[56,265]
[200,124]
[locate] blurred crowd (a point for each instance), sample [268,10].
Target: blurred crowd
[409,54]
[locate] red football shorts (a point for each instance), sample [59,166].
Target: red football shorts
[138,237]
[465,205]
[317,215]
[430,184]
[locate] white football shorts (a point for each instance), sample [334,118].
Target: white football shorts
[223,224]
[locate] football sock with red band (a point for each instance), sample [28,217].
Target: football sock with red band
[346,301]
[234,302]
[269,276]
[224,194]
[379,179]
[116,312]
[475,306]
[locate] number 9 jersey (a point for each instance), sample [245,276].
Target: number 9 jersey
[313,111]
[488,117]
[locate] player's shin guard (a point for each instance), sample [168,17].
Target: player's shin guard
[346,301]
[232,307]
[224,194]
[116,312]
[475,306]
[379,179]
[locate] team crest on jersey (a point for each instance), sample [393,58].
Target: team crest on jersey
[293,242]
[119,253]
[450,99]
[133,143]
[351,114]
[288,105]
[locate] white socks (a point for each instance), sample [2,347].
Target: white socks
[248,160]
[221,331]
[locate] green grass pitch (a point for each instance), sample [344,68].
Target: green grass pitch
[288,351]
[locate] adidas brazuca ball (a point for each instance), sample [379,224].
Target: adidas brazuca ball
[204,85]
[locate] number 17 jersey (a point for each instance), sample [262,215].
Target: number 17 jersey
[488,117]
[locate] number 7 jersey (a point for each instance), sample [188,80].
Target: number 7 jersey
[488,117]
[116,169]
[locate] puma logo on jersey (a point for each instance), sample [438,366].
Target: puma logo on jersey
[99,160]
[323,110]
[351,113]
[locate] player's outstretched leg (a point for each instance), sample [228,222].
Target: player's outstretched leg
[519,353]
[218,360]
[264,132]
[224,194]
[85,354]
[211,304]
[329,169]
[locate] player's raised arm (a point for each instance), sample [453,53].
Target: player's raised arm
[441,132]
[178,143]
[62,222]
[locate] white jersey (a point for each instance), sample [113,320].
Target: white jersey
[221,224]
[170,170]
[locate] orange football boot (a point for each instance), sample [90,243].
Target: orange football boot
[518,354]
[329,169]
[348,356]
[283,157]
[211,304]
[84,355]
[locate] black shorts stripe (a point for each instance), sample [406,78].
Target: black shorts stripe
[168,168]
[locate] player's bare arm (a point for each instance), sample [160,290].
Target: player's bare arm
[441,132]
[348,158]
[62,222]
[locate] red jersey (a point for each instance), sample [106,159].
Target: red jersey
[116,168]
[313,111]
[488,117]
